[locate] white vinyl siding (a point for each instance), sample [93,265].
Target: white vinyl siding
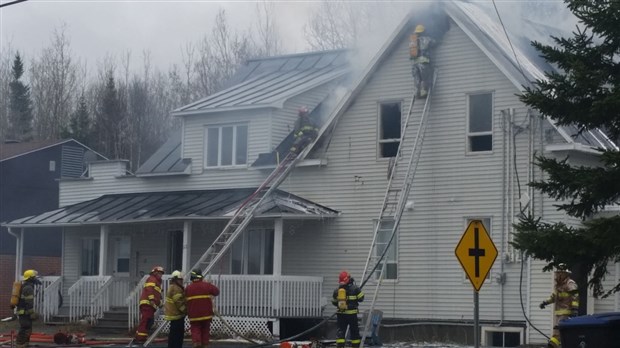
[226,145]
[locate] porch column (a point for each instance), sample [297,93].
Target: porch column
[187,246]
[277,246]
[19,251]
[103,248]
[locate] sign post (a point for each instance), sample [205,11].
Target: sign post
[476,253]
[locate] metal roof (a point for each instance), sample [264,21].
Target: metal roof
[10,150]
[269,82]
[166,160]
[173,206]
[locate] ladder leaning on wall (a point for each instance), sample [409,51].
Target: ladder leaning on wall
[394,202]
[240,220]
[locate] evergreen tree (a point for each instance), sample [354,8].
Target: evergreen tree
[79,124]
[20,104]
[584,93]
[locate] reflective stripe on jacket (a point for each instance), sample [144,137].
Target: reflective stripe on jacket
[199,296]
[174,307]
[565,298]
[26,299]
[151,292]
[354,297]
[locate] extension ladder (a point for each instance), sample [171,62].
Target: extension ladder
[395,200]
[242,217]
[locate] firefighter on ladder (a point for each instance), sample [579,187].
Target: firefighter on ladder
[419,50]
[150,301]
[199,296]
[347,298]
[305,131]
[565,298]
[24,308]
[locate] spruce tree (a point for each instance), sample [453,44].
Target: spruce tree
[584,92]
[79,124]
[20,105]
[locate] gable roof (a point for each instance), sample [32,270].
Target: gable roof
[489,36]
[170,206]
[269,82]
[11,150]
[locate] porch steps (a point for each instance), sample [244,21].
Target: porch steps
[113,321]
[61,318]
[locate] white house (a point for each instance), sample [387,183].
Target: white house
[475,163]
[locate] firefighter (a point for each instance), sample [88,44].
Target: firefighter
[150,301]
[305,131]
[175,310]
[419,51]
[25,308]
[199,296]
[565,298]
[347,298]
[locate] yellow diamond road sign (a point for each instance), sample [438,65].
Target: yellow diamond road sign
[476,253]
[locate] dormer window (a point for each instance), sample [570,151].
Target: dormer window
[226,146]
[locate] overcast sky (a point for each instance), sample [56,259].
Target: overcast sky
[115,26]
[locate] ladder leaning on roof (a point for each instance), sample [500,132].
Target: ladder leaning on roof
[239,221]
[394,200]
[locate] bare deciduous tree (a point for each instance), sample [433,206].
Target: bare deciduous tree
[268,39]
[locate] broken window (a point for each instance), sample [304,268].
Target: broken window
[226,146]
[480,127]
[389,129]
[383,241]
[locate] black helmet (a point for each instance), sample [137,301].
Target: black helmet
[196,274]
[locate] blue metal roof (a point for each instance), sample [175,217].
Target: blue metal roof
[269,82]
[172,206]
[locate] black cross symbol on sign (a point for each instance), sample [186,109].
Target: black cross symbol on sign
[476,251]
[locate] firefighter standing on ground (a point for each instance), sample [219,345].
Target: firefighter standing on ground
[150,301]
[347,298]
[419,51]
[25,308]
[175,310]
[565,298]
[199,296]
[305,131]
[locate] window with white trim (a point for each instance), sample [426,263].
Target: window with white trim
[383,241]
[226,146]
[252,252]
[480,122]
[389,129]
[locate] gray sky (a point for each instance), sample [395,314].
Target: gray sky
[115,26]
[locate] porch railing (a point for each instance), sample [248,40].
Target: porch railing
[263,296]
[47,298]
[91,296]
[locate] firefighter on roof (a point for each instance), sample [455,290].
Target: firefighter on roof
[199,295]
[25,308]
[150,301]
[175,310]
[419,50]
[305,131]
[347,298]
[565,298]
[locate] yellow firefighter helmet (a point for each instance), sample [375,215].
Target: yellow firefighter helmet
[419,28]
[31,273]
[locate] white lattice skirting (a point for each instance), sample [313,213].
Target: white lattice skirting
[248,327]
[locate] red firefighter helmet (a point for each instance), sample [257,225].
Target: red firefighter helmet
[344,278]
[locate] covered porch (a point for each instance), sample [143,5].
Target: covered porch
[111,243]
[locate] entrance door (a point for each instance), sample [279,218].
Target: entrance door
[122,252]
[175,251]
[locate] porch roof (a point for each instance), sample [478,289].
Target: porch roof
[173,206]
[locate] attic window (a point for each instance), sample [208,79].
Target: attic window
[480,123]
[389,129]
[226,146]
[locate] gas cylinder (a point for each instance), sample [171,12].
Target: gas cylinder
[342,299]
[16,293]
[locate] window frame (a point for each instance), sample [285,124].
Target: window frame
[469,134]
[242,244]
[380,140]
[233,151]
[89,256]
[394,247]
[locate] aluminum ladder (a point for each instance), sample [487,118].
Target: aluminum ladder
[395,199]
[242,217]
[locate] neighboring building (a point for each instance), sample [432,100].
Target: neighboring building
[475,163]
[29,175]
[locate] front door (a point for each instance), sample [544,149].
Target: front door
[122,252]
[175,251]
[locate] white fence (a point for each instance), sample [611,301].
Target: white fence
[91,296]
[47,297]
[258,296]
